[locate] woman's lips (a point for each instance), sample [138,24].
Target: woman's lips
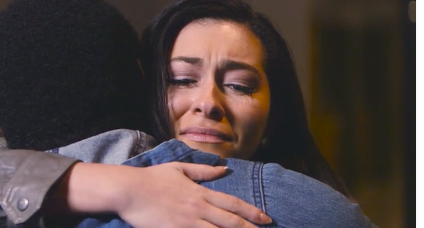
[205,135]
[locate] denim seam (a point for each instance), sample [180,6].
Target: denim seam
[257,186]
[261,189]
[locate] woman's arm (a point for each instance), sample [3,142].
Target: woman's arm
[154,197]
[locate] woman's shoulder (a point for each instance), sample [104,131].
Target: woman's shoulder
[312,203]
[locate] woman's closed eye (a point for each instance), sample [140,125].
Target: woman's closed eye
[183,82]
[241,83]
[241,89]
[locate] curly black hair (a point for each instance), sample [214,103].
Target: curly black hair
[68,70]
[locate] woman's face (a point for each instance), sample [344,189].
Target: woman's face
[219,96]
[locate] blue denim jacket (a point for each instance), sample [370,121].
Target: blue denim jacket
[291,199]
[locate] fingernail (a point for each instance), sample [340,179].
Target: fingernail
[265,218]
[225,167]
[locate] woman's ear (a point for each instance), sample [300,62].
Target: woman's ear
[266,135]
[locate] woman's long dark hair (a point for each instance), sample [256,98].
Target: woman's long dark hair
[289,141]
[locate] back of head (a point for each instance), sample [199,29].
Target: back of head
[68,70]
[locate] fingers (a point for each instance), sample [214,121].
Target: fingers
[225,219]
[199,172]
[238,206]
[225,210]
[204,224]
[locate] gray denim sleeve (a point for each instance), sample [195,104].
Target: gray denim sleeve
[25,178]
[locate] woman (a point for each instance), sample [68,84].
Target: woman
[285,138]
[217,80]
[295,127]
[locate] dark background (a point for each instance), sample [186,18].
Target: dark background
[356,64]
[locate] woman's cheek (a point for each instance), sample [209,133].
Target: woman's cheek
[254,122]
[178,104]
[171,105]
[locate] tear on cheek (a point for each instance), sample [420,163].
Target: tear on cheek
[171,109]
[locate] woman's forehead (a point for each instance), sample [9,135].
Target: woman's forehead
[211,39]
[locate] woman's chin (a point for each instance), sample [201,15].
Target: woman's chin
[223,149]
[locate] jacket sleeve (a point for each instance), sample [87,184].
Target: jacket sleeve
[25,178]
[295,200]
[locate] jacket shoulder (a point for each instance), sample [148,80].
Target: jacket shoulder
[296,200]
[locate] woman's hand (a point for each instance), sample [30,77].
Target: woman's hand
[158,196]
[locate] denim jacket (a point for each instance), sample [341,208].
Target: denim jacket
[291,199]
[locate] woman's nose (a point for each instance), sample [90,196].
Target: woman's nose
[209,103]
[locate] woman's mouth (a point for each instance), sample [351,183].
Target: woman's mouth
[205,135]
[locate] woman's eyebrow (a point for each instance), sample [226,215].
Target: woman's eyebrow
[234,65]
[189,60]
[225,65]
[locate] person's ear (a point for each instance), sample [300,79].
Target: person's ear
[269,129]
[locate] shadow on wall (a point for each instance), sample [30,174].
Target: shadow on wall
[359,92]
[3,3]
